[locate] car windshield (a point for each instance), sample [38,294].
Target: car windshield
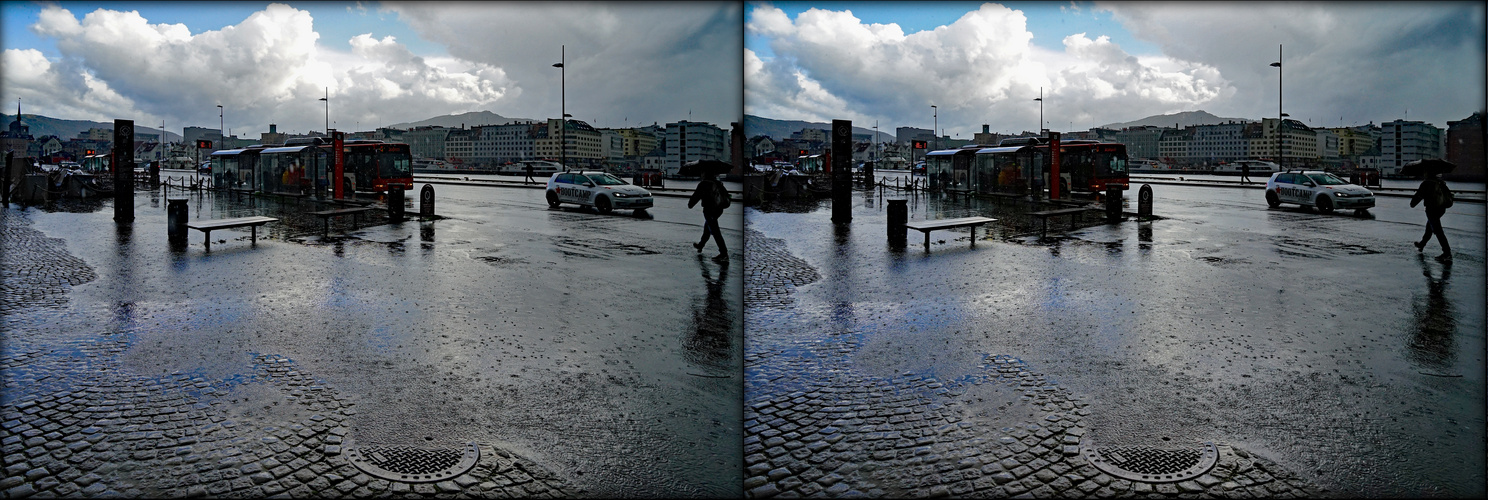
[1326,179]
[605,180]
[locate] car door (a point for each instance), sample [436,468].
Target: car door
[1290,191]
[566,188]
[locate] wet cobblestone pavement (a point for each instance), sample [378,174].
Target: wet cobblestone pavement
[75,424]
[816,425]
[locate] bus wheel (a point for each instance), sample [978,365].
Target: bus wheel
[1272,200]
[602,204]
[552,199]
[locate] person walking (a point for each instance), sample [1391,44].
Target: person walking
[1434,192]
[714,197]
[1244,174]
[529,174]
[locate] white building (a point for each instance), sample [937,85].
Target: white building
[691,141]
[1402,142]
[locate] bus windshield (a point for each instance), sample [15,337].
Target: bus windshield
[396,164]
[1110,163]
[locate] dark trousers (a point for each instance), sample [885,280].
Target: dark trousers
[710,226]
[1433,226]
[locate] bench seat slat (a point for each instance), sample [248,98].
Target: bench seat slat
[948,223]
[223,223]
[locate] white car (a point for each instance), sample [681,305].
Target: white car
[596,189]
[1312,188]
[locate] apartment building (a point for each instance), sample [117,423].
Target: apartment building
[690,141]
[1402,142]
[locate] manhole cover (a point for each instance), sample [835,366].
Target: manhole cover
[1152,465]
[413,465]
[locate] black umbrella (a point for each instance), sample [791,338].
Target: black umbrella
[697,168]
[1427,166]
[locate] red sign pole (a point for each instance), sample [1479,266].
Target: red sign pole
[338,165]
[1054,165]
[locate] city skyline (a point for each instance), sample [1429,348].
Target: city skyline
[985,63]
[383,63]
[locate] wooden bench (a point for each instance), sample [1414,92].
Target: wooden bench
[206,226]
[325,215]
[1043,216]
[931,225]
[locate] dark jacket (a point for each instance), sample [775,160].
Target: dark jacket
[1427,193]
[704,194]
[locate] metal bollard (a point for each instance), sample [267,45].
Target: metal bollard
[898,217]
[176,213]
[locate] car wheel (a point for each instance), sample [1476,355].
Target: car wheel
[1324,204]
[1273,200]
[602,204]
[552,199]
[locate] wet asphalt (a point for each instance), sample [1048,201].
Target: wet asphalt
[599,354]
[1323,343]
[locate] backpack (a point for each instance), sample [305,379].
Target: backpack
[1443,195]
[720,195]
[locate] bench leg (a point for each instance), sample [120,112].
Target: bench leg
[253,240]
[973,236]
[208,242]
[927,241]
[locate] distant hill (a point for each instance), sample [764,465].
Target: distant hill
[782,129]
[1181,119]
[42,126]
[467,120]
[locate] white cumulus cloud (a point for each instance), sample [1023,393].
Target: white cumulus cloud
[980,69]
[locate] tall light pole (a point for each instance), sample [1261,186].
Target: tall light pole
[933,128]
[220,128]
[1040,100]
[327,100]
[1280,117]
[563,106]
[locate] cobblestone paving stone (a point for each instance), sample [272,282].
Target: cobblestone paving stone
[34,269]
[816,427]
[75,423]
[773,283]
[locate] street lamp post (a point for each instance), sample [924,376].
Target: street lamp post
[1040,100]
[327,100]
[563,106]
[1280,117]
[933,128]
[220,129]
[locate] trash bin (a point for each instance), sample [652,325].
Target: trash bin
[175,216]
[1113,202]
[898,217]
[395,202]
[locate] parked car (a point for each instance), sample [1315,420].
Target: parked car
[596,189]
[205,167]
[1315,188]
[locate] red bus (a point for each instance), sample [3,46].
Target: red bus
[1088,166]
[375,166]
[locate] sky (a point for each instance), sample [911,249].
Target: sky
[633,63]
[1343,63]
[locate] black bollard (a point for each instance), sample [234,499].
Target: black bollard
[175,216]
[395,202]
[1144,202]
[426,201]
[1113,202]
[898,217]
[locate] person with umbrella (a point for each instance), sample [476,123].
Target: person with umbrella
[1434,192]
[715,198]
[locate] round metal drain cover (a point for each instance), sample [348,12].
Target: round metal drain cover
[413,465]
[1152,465]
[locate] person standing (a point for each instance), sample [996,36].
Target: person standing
[715,198]
[1434,192]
